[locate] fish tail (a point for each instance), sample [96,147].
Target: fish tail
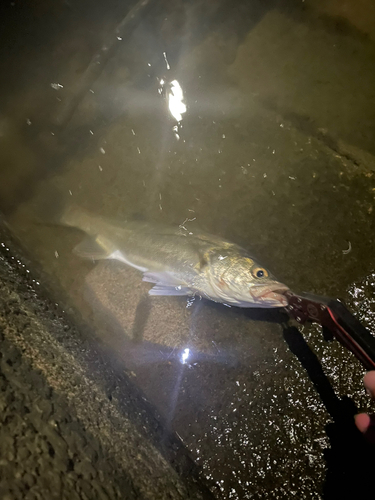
[55,208]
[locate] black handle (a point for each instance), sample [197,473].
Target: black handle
[334,316]
[353,334]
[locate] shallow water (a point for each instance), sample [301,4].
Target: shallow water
[275,152]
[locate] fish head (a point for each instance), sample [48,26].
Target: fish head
[240,281]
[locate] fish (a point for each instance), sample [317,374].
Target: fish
[178,262]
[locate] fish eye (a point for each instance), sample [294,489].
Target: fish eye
[260,272]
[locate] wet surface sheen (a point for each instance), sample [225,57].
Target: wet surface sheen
[274,151]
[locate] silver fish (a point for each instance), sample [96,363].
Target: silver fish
[179,262]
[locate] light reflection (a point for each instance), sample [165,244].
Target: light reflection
[185,355]
[175,101]
[166,60]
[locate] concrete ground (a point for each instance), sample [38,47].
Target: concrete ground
[275,152]
[72,424]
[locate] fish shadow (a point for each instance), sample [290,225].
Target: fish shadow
[142,314]
[268,315]
[350,459]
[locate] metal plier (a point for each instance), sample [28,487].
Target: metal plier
[335,317]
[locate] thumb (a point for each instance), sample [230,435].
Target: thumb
[366,424]
[369,382]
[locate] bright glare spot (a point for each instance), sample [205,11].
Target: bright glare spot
[185,355]
[175,130]
[56,86]
[166,60]
[175,98]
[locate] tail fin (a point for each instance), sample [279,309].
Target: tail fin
[52,207]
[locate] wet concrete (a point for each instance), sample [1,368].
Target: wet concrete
[72,424]
[275,152]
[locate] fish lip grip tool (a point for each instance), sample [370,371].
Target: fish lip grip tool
[332,315]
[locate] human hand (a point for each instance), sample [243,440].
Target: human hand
[364,422]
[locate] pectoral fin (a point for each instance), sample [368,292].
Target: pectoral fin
[89,248]
[161,278]
[166,284]
[169,290]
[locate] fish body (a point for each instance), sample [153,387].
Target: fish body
[179,262]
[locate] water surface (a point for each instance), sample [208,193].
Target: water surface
[274,151]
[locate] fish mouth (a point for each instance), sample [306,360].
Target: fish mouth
[271,295]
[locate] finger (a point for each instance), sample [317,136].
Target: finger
[362,421]
[369,382]
[366,424]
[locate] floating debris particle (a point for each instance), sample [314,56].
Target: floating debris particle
[345,252]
